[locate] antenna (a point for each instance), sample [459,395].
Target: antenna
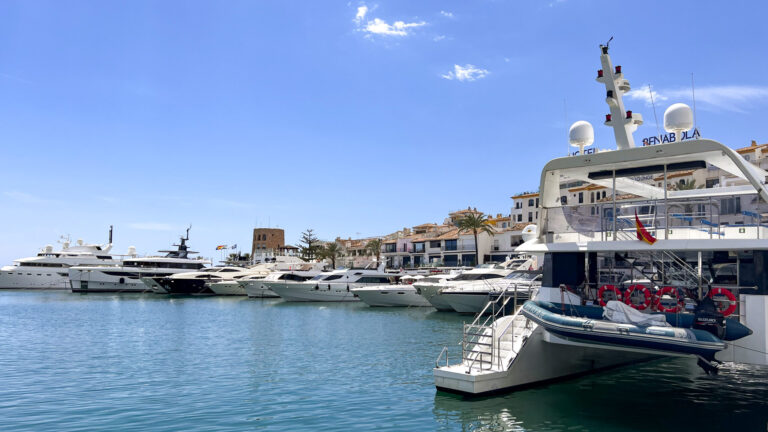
[609,42]
[110,234]
[693,94]
[655,118]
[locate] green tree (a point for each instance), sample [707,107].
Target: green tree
[475,223]
[329,251]
[374,248]
[308,245]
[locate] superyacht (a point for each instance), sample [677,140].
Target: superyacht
[127,276]
[335,286]
[681,240]
[49,269]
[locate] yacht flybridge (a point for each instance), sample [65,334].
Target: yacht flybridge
[127,276]
[700,254]
[49,268]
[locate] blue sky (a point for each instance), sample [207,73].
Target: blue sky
[352,118]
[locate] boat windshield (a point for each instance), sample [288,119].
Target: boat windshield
[476,276]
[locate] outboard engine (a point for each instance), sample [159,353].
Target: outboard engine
[708,318]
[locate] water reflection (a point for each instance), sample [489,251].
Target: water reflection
[661,395]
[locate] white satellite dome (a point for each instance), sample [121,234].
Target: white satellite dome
[678,118]
[581,135]
[529,233]
[48,248]
[132,250]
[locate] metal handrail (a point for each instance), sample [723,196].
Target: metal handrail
[437,360]
[479,354]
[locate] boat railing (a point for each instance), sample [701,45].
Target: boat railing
[443,353]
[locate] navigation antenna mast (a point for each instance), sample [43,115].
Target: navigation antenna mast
[624,123]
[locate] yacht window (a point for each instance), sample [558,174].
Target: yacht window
[228,270]
[334,277]
[318,277]
[374,279]
[293,277]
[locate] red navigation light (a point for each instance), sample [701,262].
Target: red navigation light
[599,73]
[629,114]
[607,117]
[618,69]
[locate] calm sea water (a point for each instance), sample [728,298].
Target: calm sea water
[146,362]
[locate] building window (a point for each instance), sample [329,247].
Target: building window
[712,182]
[592,197]
[564,200]
[520,217]
[730,206]
[530,202]
[537,203]
[581,197]
[530,217]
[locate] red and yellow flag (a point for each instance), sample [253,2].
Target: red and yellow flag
[642,233]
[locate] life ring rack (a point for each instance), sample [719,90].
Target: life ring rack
[729,295]
[607,287]
[672,291]
[642,288]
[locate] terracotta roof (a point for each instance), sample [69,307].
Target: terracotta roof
[520,226]
[389,241]
[752,148]
[526,195]
[674,175]
[588,187]
[425,225]
[450,235]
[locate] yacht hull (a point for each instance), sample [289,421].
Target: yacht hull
[28,278]
[434,297]
[133,281]
[186,286]
[391,296]
[543,359]
[323,292]
[227,288]
[260,289]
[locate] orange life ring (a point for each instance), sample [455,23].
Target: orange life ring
[673,292]
[605,288]
[645,290]
[731,299]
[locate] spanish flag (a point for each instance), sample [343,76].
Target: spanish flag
[642,233]
[220,247]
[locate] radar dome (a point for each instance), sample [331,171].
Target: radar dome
[48,248]
[80,242]
[581,134]
[530,232]
[678,118]
[131,250]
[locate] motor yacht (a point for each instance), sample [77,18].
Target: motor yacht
[676,238]
[127,276]
[401,294]
[432,291]
[472,297]
[49,268]
[194,283]
[335,286]
[261,287]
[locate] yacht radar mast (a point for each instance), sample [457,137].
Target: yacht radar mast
[624,123]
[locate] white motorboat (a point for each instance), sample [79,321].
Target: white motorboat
[432,291]
[194,283]
[471,298]
[402,294]
[127,276]
[676,238]
[49,269]
[335,286]
[261,286]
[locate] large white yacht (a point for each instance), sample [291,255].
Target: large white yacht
[432,291]
[680,239]
[127,276]
[261,287]
[194,283]
[401,294]
[49,268]
[471,298]
[335,286]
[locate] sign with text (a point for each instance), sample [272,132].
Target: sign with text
[670,138]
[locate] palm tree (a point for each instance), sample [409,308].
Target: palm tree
[475,223]
[374,248]
[330,251]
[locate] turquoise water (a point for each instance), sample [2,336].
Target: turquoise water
[146,362]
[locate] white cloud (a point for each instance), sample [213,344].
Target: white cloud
[467,72]
[438,38]
[151,226]
[361,12]
[399,28]
[446,14]
[378,26]
[735,98]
